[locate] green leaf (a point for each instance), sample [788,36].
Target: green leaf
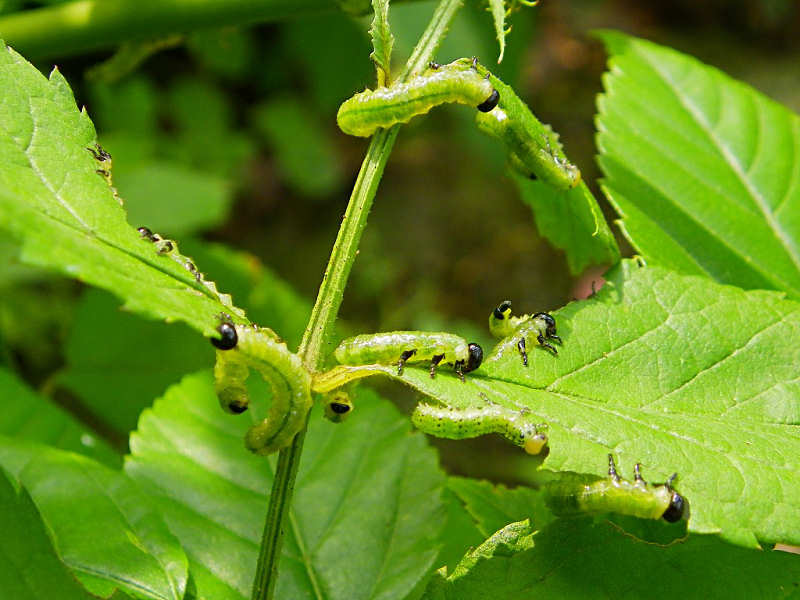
[498,10]
[30,569]
[460,532]
[492,507]
[702,168]
[572,221]
[28,416]
[366,515]
[65,214]
[613,563]
[382,40]
[104,526]
[676,372]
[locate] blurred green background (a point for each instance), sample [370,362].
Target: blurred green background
[229,136]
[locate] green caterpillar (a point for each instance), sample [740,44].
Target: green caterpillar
[457,424]
[401,347]
[542,325]
[573,494]
[534,149]
[459,82]
[241,348]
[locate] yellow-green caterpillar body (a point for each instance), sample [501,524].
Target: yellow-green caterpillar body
[541,326]
[401,347]
[533,147]
[574,494]
[458,82]
[457,424]
[241,348]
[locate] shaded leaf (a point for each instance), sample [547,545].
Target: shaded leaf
[30,569]
[104,526]
[118,375]
[492,507]
[613,564]
[28,416]
[670,371]
[703,169]
[366,514]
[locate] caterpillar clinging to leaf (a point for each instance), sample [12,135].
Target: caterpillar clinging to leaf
[241,348]
[459,82]
[541,326]
[457,424]
[401,347]
[533,147]
[574,494]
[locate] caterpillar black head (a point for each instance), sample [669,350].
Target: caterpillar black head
[503,311]
[489,104]
[475,358]
[338,407]
[228,337]
[550,324]
[678,506]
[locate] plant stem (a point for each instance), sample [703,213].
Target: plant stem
[329,299]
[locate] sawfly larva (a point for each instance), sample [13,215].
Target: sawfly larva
[541,325]
[457,82]
[401,347]
[241,348]
[457,424]
[573,494]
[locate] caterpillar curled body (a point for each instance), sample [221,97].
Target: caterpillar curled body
[541,326]
[457,82]
[573,494]
[401,347]
[241,348]
[456,424]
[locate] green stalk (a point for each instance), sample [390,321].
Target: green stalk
[76,27]
[329,299]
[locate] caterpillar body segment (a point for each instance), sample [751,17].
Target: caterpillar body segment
[533,147]
[401,347]
[573,494]
[540,326]
[262,350]
[456,424]
[457,82]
